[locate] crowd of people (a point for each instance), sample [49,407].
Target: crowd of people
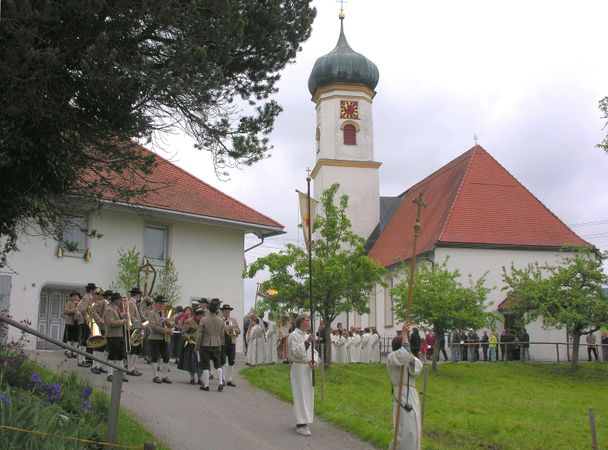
[123,330]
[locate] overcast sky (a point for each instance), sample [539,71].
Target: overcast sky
[524,76]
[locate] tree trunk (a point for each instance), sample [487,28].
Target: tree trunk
[576,339]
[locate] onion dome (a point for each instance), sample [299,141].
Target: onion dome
[343,65]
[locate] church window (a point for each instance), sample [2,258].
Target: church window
[350,134]
[155,243]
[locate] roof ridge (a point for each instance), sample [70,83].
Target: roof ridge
[184,171]
[534,197]
[473,152]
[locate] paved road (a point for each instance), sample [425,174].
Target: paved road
[186,418]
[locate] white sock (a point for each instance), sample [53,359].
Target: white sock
[228,372]
[220,373]
[205,378]
[165,370]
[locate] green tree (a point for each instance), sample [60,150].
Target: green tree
[441,301]
[603,106]
[169,284]
[567,294]
[129,276]
[343,276]
[79,79]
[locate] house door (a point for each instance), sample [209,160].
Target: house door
[50,321]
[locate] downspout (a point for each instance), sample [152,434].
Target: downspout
[261,237]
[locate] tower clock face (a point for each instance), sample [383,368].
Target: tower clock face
[349,109]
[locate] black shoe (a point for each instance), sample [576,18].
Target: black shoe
[192,381]
[230,383]
[95,370]
[125,379]
[166,380]
[211,375]
[157,380]
[204,388]
[103,370]
[220,387]
[109,378]
[85,364]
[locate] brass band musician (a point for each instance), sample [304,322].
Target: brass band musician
[115,324]
[97,310]
[209,344]
[188,358]
[231,333]
[137,324]
[160,326]
[81,317]
[71,325]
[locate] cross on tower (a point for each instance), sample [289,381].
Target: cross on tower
[341,7]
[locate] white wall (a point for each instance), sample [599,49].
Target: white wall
[209,260]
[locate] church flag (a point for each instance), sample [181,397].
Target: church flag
[305,215]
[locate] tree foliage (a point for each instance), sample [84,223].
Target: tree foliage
[169,284]
[79,79]
[603,106]
[129,261]
[567,294]
[440,300]
[343,276]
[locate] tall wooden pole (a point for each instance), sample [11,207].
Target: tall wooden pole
[312,310]
[410,292]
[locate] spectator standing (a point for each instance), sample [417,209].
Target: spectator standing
[493,344]
[591,347]
[442,347]
[455,345]
[464,341]
[605,346]
[484,344]
[429,343]
[503,345]
[525,346]
[415,342]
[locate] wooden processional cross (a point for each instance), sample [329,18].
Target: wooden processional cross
[410,291]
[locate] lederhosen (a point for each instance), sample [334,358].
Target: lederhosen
[228,350]
[159,348]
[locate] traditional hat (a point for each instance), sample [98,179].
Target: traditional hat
[203,300]
[72,294]
[90,286]
[215,301]
[160,299]
[199,312]
[226,306]
[135,290]
[115,296]
[108,293]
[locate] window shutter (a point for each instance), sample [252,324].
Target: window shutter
[350,135]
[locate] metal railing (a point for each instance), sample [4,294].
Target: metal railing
[116,380]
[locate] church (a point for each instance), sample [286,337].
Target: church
[477,212]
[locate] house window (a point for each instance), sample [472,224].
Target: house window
[74,235]
[388,303]
[155,243]
[350,134]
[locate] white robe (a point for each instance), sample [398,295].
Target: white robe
[365,348]
[408,437]
[357,346]
[301,376]
[350,348]
[271,348]
[255,350]
[374,342]
[341,350]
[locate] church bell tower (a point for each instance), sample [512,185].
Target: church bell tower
[342,85]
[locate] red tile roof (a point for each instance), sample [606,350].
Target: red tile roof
[173,189]
[471,201]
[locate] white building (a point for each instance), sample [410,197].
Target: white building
[477,213]
[195,225]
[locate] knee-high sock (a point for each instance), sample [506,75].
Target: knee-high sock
[228,371]
[205,378]
[219,372]
[165,368]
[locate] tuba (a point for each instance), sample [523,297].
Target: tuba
[96,338]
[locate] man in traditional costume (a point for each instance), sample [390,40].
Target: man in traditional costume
[81,316]
[231,333]
[137,323]
[71,326]
[97,310]
[409,425]
[209,344]
[114,328]
[301,357]
[160,327]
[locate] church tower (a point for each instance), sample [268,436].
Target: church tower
[342,86]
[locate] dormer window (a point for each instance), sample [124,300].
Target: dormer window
[350,134]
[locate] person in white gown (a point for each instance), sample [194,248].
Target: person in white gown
[409,426]
[255,350]
[374,344]
[350,348]
[272,355]
[357,344]
[302,366]
[365,346]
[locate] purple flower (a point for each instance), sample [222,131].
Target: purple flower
[53,393]
[36,379]
[4,399]
[87,406]
[87,392]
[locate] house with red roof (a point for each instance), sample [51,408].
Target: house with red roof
[184,219]
[478,214]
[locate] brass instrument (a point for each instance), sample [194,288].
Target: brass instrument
[126,314]
[96,338]
[166,323]
[192,338]
[231,331]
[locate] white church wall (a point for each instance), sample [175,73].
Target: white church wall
[209,260]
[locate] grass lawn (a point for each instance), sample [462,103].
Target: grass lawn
[469,406]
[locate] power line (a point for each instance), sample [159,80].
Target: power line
[588,224]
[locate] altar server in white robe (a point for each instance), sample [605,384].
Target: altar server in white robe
[350,348]
[341,348]
[301,357]
[409,432]
[255,350]
[357,347]
[374,345]
[365,346]
[272,355]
